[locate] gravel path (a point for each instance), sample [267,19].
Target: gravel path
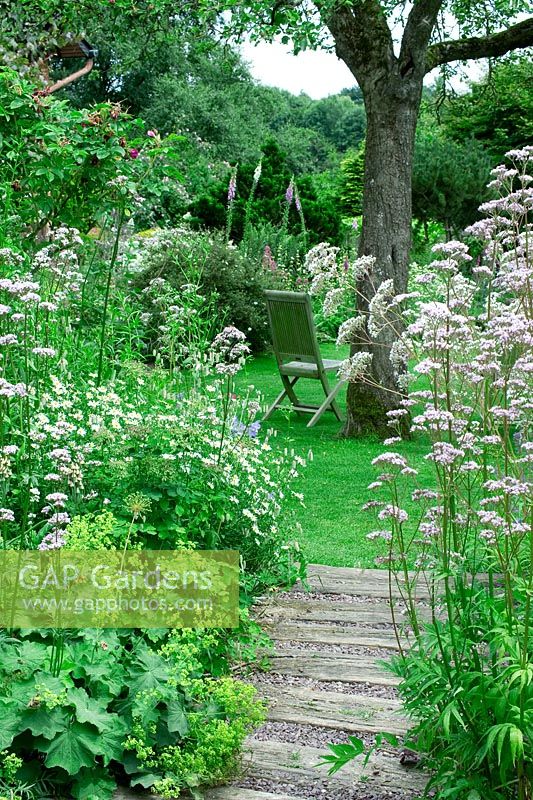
[319,790]
[287,736]
[371,689]
[318,647]
[306,735]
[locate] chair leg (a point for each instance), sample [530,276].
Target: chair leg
[329,401]
[327,391]
[288,383]
[287,391]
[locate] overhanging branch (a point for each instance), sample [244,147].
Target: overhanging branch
[417,33]
[513,38]
[362,37]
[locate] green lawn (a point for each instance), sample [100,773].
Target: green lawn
[334,482]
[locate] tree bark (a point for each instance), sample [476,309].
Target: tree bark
[392,113]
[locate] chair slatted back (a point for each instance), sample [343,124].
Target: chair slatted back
[293,327]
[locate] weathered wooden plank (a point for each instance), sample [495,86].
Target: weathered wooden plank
[283,761]
[333,634]
[314,610]
[345,712]
[335,667]
[356,582]
[236,793]
[217,793]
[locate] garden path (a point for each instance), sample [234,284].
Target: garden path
[326,683]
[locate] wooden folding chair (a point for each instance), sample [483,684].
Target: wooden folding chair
[296,349]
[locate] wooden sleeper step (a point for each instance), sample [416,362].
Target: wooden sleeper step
[281,761]
[345,712]
[334,667]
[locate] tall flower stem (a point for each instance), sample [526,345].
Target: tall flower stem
[114,255]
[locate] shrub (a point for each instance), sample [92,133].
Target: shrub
[222,274]
[68,166]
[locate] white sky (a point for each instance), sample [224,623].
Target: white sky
[316,73]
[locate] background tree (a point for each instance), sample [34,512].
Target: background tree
[352,181]
[497,111]
[321,215]
[449,180]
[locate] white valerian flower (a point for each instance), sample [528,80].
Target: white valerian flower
[349,329]
[355,367]
[379,307]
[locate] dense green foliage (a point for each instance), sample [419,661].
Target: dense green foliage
[497,112]
[119,704]
[449,180]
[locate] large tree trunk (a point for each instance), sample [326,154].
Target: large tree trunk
[392,113]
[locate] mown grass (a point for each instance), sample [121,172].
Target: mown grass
[335,481]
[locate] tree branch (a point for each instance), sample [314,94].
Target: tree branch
[417,33]
[520,35]
[362,38]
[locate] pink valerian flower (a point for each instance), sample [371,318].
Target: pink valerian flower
[6,515]
[423,494]
[393,512]
[57,499]
[12,390]
[61,454]
[384,535]
[390,459]
[44,352]
[445,454]
[30,297]
[59,518]
[229,350]
[53,540]
[429,530]
[509,486]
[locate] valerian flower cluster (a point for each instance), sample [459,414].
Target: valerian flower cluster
[469,534]
[473,347]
